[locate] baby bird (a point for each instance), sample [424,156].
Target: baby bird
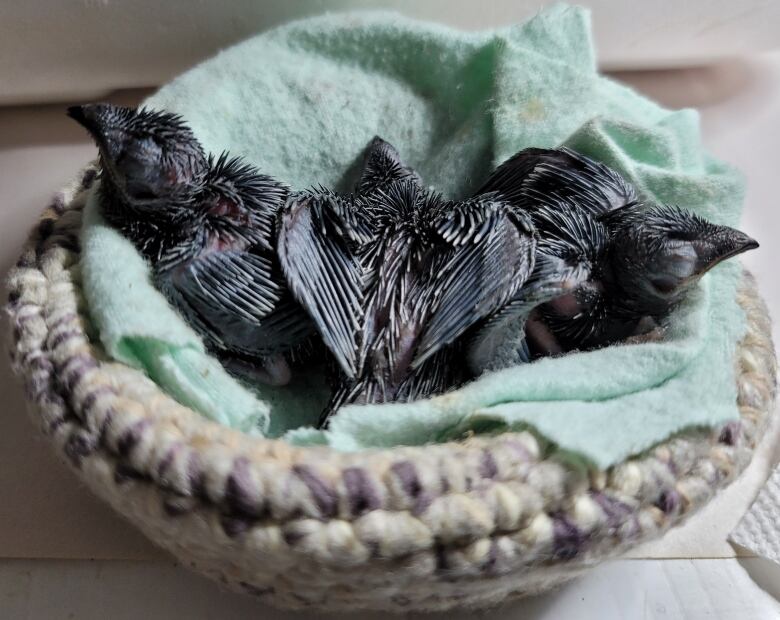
[207,227]
[395,275]
[641,260]
[563,263]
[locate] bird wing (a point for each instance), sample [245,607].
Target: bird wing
[582,242]
[488,254]
[238,300]
[569,233]
[382,166]
[500,339]
[234,283]
[536,177]
[438,373]
[323,272]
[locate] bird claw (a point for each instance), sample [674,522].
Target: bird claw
[273,370]
[647,330]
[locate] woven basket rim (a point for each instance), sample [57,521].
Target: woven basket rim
[120,431]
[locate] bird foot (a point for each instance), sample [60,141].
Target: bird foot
[273,370]
[647,330]
[541,337]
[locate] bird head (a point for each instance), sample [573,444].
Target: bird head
[660,252]
[150,158]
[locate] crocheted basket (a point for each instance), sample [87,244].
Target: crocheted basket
[458,524]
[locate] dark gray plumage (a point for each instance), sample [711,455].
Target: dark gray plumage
[395,275]
[383,166]
[207,226]
[562,265]
[640,259]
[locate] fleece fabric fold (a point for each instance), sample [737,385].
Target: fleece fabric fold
[302,101]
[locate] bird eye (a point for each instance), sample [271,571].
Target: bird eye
[664,284]
[140,191]
[682,235]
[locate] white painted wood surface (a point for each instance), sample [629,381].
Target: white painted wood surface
[115,44]
[625,590]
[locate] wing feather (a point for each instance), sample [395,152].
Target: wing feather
[491,254]
[236,301]
[323,271]
[536,177]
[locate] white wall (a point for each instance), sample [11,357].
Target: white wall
[54,50]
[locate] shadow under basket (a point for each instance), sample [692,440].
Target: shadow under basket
[460,524]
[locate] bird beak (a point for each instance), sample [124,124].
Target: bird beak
[738,242]
[85,116]
[93,118]
[76,112]
[725,243]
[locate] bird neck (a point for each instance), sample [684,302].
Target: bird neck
[152,230]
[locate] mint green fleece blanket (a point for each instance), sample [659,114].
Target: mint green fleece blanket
[302,101]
